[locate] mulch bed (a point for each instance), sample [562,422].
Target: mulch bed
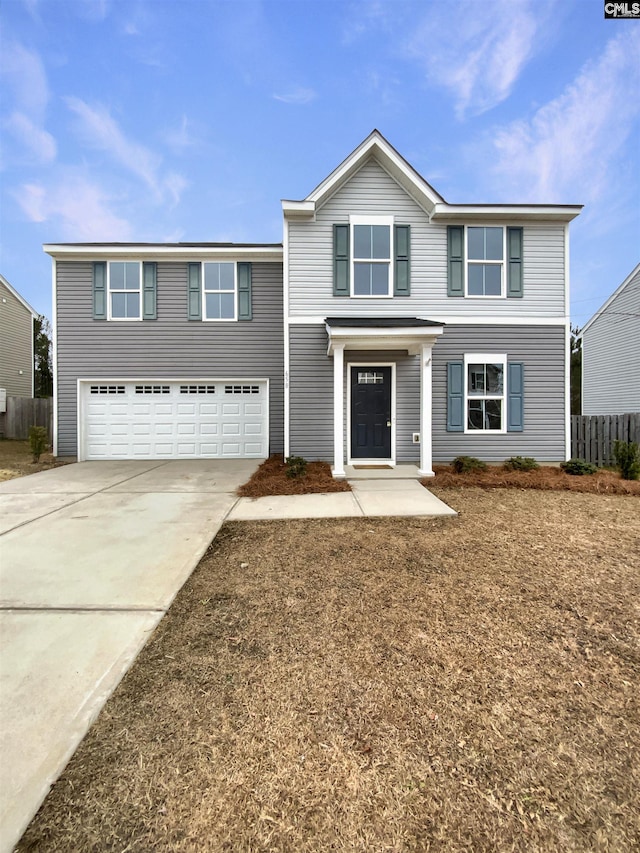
[271,479]
[547,478]
[450,685]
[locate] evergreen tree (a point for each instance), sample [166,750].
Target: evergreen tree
[42,360]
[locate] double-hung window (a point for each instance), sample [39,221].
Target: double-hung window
[372,242]
[219,291]
[485,261]
[485,393]
[125,290]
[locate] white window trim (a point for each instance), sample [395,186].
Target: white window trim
[485,358]
[502,263]
[369,365]
[206,319]
[110,317]
[357,219]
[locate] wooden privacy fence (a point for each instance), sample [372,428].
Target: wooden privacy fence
[23,413]
[592,436]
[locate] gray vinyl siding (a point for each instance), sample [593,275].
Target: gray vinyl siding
[16,346]
[169,347]
[372,190]
[542,350]
[611,356]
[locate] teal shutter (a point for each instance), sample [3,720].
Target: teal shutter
[455,252]
[515,399]
[455,396]
[149,276]
[244,291]
[341,260]
[100,291]
[195,294]
[402,243]
[514,260]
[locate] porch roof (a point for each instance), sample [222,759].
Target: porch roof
[382,333]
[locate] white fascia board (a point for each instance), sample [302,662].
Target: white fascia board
[377,146]
[446,320]
[91,251]
[298,209]
[20,299]
[613,296]
[505,212]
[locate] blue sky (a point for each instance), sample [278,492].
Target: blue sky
[167,120]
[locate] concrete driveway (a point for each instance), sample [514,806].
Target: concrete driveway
[91,557]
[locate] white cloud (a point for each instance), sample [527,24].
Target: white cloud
[477,50]
[102,132]
[75,208]
[296,96]
[181,138]
[35,140]
[27,79]
[569,149]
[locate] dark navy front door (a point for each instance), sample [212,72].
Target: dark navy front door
[371,412]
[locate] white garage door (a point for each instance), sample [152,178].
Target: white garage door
[174,420]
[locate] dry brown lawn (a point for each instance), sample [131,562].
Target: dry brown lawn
[16,460]
[465,684]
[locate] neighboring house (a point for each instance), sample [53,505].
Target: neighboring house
[388,327]
[16,342]
[611,353]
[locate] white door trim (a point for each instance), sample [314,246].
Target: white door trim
[372,364]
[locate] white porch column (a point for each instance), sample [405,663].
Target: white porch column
[426,401]
[338,411]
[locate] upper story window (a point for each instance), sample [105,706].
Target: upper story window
[372,273]
[485,392]
[485,261]
[219,291]
[125,290]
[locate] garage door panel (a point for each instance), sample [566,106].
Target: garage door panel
[122,420]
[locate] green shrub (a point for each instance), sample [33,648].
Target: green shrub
[296,466]
[521,463]
[38,441]
[627,456]
[578,467]
[463,464]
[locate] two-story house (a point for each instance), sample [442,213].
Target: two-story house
[388,327]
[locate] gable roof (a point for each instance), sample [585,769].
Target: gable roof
[634,272]
[20,299]
[376,147]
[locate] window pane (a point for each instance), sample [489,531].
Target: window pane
[381,241]
[475,414]
[493,244]
[493,414]
[362,279]
[492,279]
[133,304]
[226,277]
[475,283]
[476,380]
[118,305]
[212,276]
[379,279]
[227,308]
[116,276]
[475,240]
[132,275]
[494,379]
[362,241]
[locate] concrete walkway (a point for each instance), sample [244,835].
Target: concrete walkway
[91,557]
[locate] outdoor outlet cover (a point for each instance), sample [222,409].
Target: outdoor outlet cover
[416,438]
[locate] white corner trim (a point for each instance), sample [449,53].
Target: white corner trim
[286,340]
[54,351]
